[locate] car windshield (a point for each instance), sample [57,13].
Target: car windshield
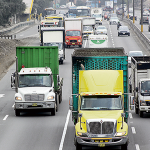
[73,33]
[145,87]
[137,53]
[35,80]
[97,15]
[101,102]
[101,27]
[87,28]
[54,44]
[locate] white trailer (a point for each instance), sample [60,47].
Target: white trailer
[97,13]
[97,41]
[88,26]
[54,36]
[140,83]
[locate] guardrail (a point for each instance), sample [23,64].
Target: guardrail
[137,31]
[8,36]
[4,31]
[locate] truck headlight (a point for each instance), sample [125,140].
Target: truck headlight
[50,97]
[120,133]
[18,98]
[67,40]
[142,103]
[79,40]
[82,134]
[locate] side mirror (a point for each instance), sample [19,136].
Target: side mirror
[58,80]
[131,102]
[71,103]
[12,80]
[136,89]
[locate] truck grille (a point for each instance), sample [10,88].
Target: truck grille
[101,127]
[34,97]
[73,40]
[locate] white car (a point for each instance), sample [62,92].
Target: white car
[101,30]
[146,13]
[132,54]
[113,20]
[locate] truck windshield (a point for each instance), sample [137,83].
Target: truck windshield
[145,87]
[101,102]
[83,12]
[35,80]
[87,28]
[97,15]
[54,44]
[72,33]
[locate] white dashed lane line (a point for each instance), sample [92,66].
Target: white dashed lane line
[5,117]
[137,147]
[2,95]
[133,130]
[130,115]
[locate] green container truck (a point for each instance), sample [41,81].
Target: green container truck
[36,80]
[98,59]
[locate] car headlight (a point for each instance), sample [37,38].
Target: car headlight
[82,134]
[67,40]
[18,98]
[142,103]
[79,40]
[50,97]
[120,133]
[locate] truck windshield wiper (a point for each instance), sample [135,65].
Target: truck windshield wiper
[104,108]
[23,85]
[41,85]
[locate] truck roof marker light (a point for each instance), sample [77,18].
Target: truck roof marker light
[39,70]
[30,70]
[101,93]
[105,93]
[34,70]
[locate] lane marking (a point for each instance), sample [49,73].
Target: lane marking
[2,95]
[64,131]
[130,115]
[137,147]
[133,130]
[5,117]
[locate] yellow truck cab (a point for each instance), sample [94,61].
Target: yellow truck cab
[101,100]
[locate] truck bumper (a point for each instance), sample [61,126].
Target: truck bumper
[145,108]
[115,141]
[34,105]
[69,43]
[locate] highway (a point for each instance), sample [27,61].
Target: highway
[41,131]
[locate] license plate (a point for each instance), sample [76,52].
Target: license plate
[73,43]
[101,141]
[34,104]
[101,32]
[101,145]
[123,33]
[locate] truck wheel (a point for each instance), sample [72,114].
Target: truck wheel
[78,146]
[62,62]
[124,147]
[17,112]
[53,111]
[60,96]
[57,101]
[80,46]
[75,121]
[140,113]
[118,34]
[136,110]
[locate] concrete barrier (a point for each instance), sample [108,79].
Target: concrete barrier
[6,30]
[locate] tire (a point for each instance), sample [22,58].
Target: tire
[78,146]
[60,96]
[62,62]
[53,111]
[118,34]
[129,34]
[140,113]
[17,112]
[136,110]
[57,102]
[124,147]
[80,46]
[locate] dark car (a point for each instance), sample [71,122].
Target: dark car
[123,30]
[149,28]
[145,20]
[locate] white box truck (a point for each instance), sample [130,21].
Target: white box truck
[97,13]
[54,36]
[88,26]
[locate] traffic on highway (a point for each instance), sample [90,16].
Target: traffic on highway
[82,82]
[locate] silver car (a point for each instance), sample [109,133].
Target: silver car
[113,20]
[101,30]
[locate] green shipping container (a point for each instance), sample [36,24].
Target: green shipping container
[39,56]
[99,59]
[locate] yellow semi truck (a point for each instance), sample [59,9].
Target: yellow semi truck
[99,102]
